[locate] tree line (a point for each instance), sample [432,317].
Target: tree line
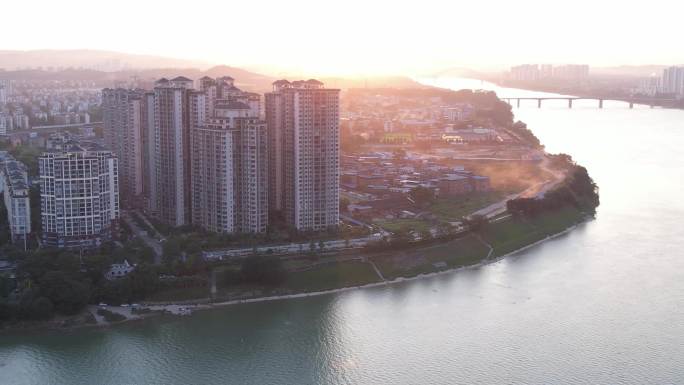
[577,190]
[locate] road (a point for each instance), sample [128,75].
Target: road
[142,234]
[535,191]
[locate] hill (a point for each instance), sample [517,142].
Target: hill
[108,61]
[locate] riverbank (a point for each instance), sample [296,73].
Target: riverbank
[500,240]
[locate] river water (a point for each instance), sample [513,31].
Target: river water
[603,304]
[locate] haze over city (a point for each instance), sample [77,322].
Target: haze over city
[357,37]
[352,192]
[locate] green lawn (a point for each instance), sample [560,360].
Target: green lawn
[457,253]
[455,208]
[512,234]
[404,225]
[505,236]
[331,276]
[462,252]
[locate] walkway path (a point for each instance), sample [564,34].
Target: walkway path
[213,283]
[377,271]
[142,234]
[535,191]
[491,249]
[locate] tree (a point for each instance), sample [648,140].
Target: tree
[143,281]
[264,270]
[172,247]
[577,190]
[41,308]
[476,223]
[67,294]
[6,310]
[401,237]
[344,204]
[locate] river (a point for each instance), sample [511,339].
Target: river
[603,304]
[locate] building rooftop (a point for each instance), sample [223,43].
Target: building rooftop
[298,84]
[76,146]
[15,173]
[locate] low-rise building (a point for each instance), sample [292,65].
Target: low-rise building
[459,184]
[119,270]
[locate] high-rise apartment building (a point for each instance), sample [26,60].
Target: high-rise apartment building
[575,72]
[303,132]
[177,109]
[5,90]
[79,196]
[149,148]
[15,189]
[525,72]
[229,170]
[535,72]
[124,132]
[673,81]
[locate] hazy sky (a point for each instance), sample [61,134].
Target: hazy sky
[356,36]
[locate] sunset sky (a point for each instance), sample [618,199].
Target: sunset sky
[356,36]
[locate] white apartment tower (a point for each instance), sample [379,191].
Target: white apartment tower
[303,131]
[79,196]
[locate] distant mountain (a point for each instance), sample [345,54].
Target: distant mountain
[247,80]
[244,79]
[250,81]
[108,69]
[107,61]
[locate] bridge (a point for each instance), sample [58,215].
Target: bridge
[632,101]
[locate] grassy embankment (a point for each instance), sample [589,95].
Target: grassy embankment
[321,277]
[504,237]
